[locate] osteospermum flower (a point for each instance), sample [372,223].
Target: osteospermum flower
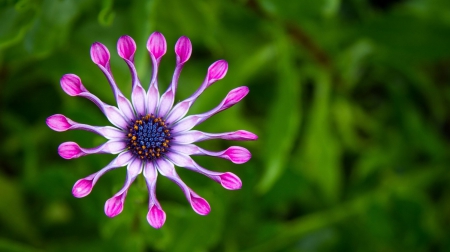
[150,135]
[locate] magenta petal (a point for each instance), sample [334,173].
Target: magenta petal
[193,136]
[100,54]
[230,181]
[114,205]
[157,45]
[71,84]
[58,122]
[200,205]
[242,135]
[217,71]
[156,217]
[126,47]
[69,150]
[183,49]
[82,188]
[237,155]
[234,96]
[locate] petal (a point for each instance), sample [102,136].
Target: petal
[152,99]
[167,169]
[235,154]
[230,181]
[227,180]
[125,107]
[60,123]
[178,111]
[166,102]
[217,71]
[134,168]
[114,205]
[115,117]
[183,49]
[187,123]
[84,186]
[150,173]
[71,84]
[233,97]
[69,150]
[138,98]
[157,45]
[156,217]
[100,54]
[200,205]
[193,136]
[126,47]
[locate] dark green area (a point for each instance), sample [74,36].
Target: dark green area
[350,100]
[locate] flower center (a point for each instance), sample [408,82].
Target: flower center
[148,137]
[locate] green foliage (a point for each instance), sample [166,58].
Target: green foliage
[349,99]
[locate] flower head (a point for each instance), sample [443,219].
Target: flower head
[150,135]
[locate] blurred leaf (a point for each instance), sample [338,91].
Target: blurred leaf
[320,151]
[284,114]
[12,246]
[13,211]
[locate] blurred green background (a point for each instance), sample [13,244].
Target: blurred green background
[349,99]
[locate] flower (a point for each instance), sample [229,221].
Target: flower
[150,134]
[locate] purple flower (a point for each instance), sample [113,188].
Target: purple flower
[150,134]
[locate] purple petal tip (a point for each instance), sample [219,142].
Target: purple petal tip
[183,49]
[69,150]
[200,205]
[114,206]
[217,71]
[157,45]
[156,217]
[126,47]
[100,54]
[230,181]
[82,188]
[238,155]
[235,96]
[58,122]
[246,135]
[71,84]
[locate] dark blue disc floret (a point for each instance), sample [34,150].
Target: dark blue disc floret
[148,137]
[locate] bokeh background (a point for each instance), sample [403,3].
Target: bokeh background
[350,100]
